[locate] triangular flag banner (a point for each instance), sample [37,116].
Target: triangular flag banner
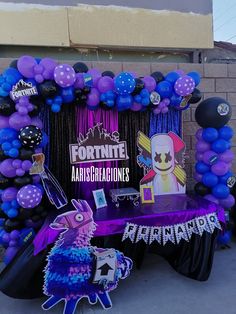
[143,233]
[130,231]
[155,234]
[181,232]
[173,233]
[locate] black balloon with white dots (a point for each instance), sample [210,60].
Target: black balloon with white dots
[30,136]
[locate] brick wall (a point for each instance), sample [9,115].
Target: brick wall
[217,80]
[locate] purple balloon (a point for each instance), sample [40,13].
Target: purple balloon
[199,156]
[210,157]
[9,194]
[79,82]
[4,122]
[18,121]
[227,202]
[220,168]
[36,179]
[29,196]
[20,172]
[64,75]
[180,72]
[96,74]
[105,84]
[25,65]
[198,177]
[211,198]
[157,110]
[15,234]
[202,146]
[93,98]
[37,122]
[150,83]
[9,254]
[17,163]
[26,165]
[227,156]
[7,169]
[164,110]
[184,85]
[136,106]
[49,66]
[198,134]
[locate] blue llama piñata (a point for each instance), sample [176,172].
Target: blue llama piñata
[75,269]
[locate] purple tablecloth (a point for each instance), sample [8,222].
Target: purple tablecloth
[167,210]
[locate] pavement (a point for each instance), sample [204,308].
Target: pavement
[157,289]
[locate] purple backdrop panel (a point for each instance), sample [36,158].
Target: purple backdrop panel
[167,210]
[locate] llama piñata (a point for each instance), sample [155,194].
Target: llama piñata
[76,269]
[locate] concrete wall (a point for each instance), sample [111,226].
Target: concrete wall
[164,25]
[217,80]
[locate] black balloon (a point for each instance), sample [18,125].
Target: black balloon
[201,189]
[7,106]
[48,89]
[4,182]
[30,136]
[2,155]
[158,76]
[38,104]
[108,73]
[104,106]
[139,85]
[21,181]
[13,64]
[86,90]
[12,224]
[213,112]
[80,67]
[25,154]
[24,213]
[196,96]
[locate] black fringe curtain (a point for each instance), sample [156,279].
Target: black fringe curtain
[62,130]
[129,124]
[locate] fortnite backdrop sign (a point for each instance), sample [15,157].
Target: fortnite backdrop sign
[98,145]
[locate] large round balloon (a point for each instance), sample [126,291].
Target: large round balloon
[220,168]
[64,75]
[164,89]
[210,134]
[124,83]
[80,67]
[30,136]
[201,189]
[220,191]
[209,179]
[105,83]
[8,135]
[18,121]
[7,106]
[29,196]
[213,112]
[226,133]
[184,85]
[7,169]
[48,89]
[9,194]
[172,77]
[220,146]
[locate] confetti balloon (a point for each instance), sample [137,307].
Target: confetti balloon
[29,196]
[30,136]
[184,85]
[64,75]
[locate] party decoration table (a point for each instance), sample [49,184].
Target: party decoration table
[125,193]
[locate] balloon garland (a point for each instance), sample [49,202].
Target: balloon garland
[29,83]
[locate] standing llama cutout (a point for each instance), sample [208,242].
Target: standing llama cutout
[75,269]
[162,159]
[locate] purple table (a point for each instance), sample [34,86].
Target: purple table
[167,210]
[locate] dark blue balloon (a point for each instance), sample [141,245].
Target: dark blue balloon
[220,146]
[224,238]
[226,133]
[124,102]
[67,94]
[164,89]
[223,179]
[8,135]
[195,76]
[44,141]
[220,191]
[201,167]
[209,179]
[175,99]
[172,77]
[210,134]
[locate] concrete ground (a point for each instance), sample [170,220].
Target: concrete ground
[157,289]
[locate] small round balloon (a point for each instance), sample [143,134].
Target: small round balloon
[184,85]
[30,136]
[29,196]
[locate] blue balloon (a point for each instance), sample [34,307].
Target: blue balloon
[137,98]
[16,144]
[6,146]
[110,95]
[175,100]
[144,93]
[226,133]
[210,134]
[145,101]
[195,76]
[223,179]
[172,77]
[201,167]
[224,238]
[209,179]
[164,89]
[13,153]
[8,135]
[110,103]
[12,75]
[124,83]
[56,108]
[6,206]
[220,191]
[124,102]
[67,94]
[220,146]
[12,213]
[92,108]
[44,141]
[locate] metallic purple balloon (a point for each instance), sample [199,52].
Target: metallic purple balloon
[18,121]
[211,198]
[105,83]
[4,122]
[220,168]
[227,156]
[202,146]
[7,169]
[9,194]
[150,83]
[29,196]
[228,202]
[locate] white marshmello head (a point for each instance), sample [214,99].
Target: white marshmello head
[163,155]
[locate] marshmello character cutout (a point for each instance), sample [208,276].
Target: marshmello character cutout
[162,157]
